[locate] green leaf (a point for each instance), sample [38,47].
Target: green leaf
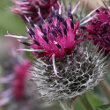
[104,107]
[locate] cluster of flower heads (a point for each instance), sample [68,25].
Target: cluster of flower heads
[30,8]
[67,64]
[99,28]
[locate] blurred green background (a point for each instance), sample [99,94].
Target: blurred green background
[8,21]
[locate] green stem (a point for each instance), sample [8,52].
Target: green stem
[72,103]
[106,89]
[85,102]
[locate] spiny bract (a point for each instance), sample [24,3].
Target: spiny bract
[80,71]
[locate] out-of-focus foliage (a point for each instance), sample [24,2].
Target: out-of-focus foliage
[78,106]
[94,100]
[8,21]
[104,107]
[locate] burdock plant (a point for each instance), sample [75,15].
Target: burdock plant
[67,65]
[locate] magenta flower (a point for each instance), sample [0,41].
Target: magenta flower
[18,83]
[99,28]
[29,8]
[54,38]
[15,82]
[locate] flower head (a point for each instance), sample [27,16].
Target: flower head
[18,83]
[56,36]
[17,93]
[15,73]
[29,8]
[80,72]
[53,38]
[99,28]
